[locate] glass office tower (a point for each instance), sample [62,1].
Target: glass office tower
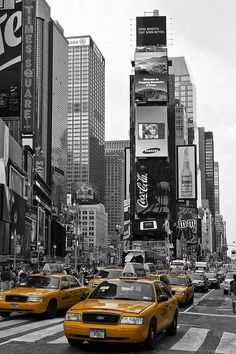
[86,115]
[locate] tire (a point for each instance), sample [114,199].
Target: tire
[186,301]
[52,309]
[172,330]
[225,292]
[5,314]
[150,342]
[192,299]
[74,342]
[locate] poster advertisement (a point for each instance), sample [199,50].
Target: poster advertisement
[186,172]
[41,226]
[151,30]
[151,77]
[151,131]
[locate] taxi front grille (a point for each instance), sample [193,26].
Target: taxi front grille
[101,317]
[16,298]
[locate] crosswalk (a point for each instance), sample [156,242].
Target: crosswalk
[188,339]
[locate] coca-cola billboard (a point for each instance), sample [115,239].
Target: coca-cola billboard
[152,187]
[10,60]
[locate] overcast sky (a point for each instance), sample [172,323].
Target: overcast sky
[204,32]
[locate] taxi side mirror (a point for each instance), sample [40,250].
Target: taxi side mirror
[163,298]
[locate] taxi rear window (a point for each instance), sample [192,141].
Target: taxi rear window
[136,291]
[177,281]
[40,282]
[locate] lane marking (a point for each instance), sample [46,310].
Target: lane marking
[227,344]
[207,314]
[197,301]
[9,323]
[35,336]
[61,340]
[28,327]
[192,340]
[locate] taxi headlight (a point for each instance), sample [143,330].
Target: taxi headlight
[73,317]
[179,293]
[2,297]
[133,320]
[35,299]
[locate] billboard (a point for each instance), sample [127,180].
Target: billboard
[151,131]
[151,30]
[150,77]
[10,59]
[187,218]
[186,172]
[41,226]
[28,67]
[152,187]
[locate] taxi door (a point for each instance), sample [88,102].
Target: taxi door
[65,293]
[170,304]
[190,287]
[76,290]
[161,309]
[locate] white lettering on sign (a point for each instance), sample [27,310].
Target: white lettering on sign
[142,184]
[8,37]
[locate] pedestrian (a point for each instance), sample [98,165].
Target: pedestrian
[233,292]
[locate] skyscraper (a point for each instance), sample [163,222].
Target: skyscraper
[185,92]
[202,161]
[114,190]
[86,115]
[217,187]
[210,184]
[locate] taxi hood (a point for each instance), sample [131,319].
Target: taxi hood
[28,291]
[130,306]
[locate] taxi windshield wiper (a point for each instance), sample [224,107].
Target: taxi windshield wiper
[126,298]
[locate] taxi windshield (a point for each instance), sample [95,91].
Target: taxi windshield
[177,281]
[108,274]
[39,282]
[123,290]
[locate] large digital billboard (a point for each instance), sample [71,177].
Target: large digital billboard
[151,30]
[10,59]
[150,77]
[151,131]
[186,172]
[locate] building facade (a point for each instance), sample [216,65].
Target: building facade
[86,115]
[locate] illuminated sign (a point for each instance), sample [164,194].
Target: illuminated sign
[186,172]
[28,67]
[151,30]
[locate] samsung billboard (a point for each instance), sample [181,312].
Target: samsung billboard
[151,131]
[151,30]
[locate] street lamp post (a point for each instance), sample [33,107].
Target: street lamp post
[13,237]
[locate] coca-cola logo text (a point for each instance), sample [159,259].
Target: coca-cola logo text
[142,185]
[10,37]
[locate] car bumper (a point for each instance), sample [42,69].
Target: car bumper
[32,307]
[113,333]
[180,298]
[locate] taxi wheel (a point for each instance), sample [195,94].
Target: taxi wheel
[151,339]
[171,331]
[52,309]
[5,314]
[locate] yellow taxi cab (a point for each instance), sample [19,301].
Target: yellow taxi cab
[43,293]
[103,274]
[182,288]
[124,310]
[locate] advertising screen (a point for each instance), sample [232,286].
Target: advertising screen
[10,59]
[151,30]
[186,172]
[151,77]
[151,131]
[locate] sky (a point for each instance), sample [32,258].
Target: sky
[204,32]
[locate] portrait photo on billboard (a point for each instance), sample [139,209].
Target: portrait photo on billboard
[186,172]
[17,228]
[151,30]
[151,131]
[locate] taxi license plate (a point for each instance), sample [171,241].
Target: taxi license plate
[97,333]
[14,306]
